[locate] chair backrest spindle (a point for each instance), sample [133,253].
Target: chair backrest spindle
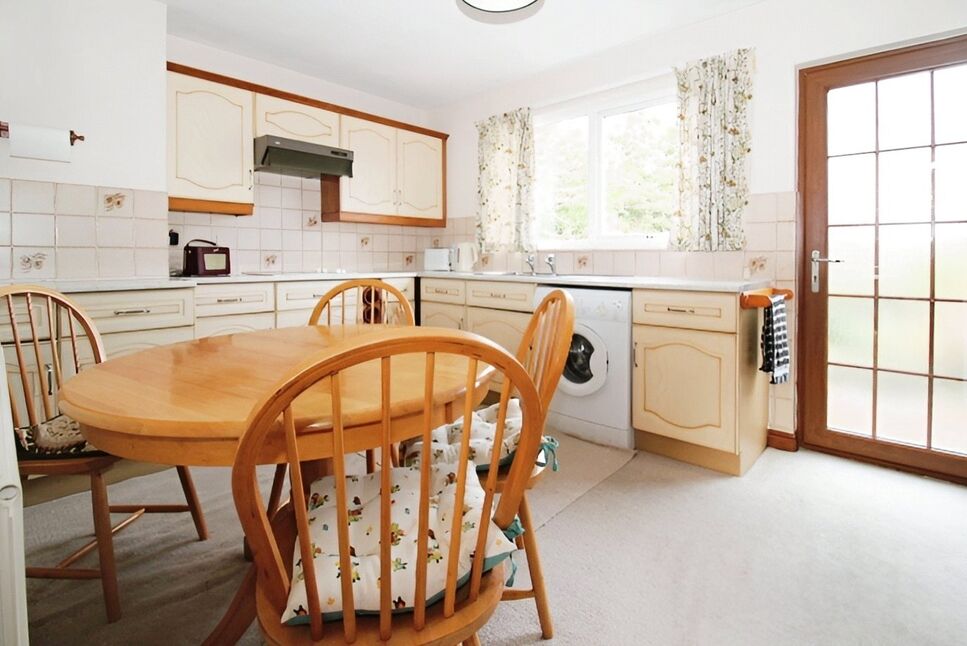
[370,304]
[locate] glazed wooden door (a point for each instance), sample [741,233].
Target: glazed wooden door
[883,347]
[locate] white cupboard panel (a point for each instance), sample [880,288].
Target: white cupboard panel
[372,188]
[240,298]
[210,154]
[419,178]
[443,315]
[233,324]
[275,116]
[504,328]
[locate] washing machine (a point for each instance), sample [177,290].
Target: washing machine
[593,398]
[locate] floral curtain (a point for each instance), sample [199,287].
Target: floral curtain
[713,99]
[505,156]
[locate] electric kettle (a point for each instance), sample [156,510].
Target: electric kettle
[465,255]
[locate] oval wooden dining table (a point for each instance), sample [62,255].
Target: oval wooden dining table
[188,403]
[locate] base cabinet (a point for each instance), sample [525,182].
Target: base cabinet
[504,328]
[697,394]
[443,315]
[234,324]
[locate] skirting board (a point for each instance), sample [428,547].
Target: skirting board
[722,461]
[782,440]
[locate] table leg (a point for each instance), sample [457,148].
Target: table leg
[239,615]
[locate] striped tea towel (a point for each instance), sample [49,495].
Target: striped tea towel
[775,341]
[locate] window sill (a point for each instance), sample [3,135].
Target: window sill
[650,242]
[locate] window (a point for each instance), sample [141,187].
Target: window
[607,173]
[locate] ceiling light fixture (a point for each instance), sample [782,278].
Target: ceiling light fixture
[499,6]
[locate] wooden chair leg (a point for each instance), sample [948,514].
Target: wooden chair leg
[194,506]
[394,451]
[534,566]
[105,547]
[370,461]
[473,641]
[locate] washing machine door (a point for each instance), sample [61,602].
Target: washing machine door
[586,368]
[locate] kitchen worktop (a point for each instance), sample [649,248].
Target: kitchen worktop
[620,282]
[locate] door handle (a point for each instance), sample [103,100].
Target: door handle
[815,259]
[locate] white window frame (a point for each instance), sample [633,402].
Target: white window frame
[597,107]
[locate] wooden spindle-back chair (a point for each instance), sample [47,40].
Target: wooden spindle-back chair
[543,351]
[46,339]
[416,354]
[368,300]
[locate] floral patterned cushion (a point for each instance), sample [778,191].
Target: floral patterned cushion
[58,437]
[445,440]
[364,528]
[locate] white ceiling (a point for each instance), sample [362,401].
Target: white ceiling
[425,52]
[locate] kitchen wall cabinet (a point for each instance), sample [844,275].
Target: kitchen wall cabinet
[276,116]
[210,150]
[697,394]
[398,177]
[419,175]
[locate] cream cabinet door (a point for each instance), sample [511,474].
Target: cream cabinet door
[443,315]
[233,324]
[684,385]
[275,116]
[504,328]
[372,188]
[120,344]
[419,175]
[210,153]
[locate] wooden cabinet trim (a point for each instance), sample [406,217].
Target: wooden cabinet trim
[288,96]
[209,206]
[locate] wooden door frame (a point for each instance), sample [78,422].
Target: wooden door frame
[814,83]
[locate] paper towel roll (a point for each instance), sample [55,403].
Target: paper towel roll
[36,142]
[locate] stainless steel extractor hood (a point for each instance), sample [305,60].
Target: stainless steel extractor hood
[300,158]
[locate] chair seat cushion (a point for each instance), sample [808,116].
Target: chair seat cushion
[362,494]
[58,437]
[445,440]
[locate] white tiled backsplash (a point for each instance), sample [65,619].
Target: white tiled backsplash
[50,230]
[285,234]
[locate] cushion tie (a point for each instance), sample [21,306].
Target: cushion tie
[549,448]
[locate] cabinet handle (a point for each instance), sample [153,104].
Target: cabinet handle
[251,179]
[49,369]
[130,312]
[237,299]
[680,310]
[636,354]
[460,323]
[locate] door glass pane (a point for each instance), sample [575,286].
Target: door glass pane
[904,111]
[950,104]
[640,177]
[851,119]
[905,185]
[851,331]
[949,416]
[903,335]
[854,246]
[901,408]
[561,178]
[852,189]
[950,340]
[951,269]
[951,183]
[849,404]
[905,260]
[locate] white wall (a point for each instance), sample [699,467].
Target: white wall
[786,34]
[208,58]
[96,67]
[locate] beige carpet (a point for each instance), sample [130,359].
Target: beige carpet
[173,587]
[805,549]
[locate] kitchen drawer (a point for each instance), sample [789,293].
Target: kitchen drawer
[303,294]
[443,290]
[234,324]
[244,298]
[137,310]
[504,296]
[711,311]
[405,285]
[120,344]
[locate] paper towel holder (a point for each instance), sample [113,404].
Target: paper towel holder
[5,133]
